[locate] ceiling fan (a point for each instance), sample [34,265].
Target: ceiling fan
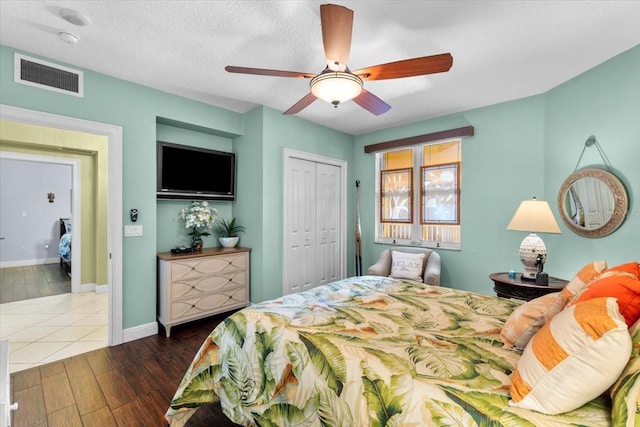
[336,83]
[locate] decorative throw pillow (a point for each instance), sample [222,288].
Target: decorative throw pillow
[406,265]
[632,268]
[528,318]
[625,393]
[572,359]
[584,276]
[625,289]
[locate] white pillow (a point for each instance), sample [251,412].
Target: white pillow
[406,265]
[572,359]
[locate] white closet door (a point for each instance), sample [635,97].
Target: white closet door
[327,223]
[313,218]
[301,226]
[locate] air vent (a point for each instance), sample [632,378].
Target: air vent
[45,75]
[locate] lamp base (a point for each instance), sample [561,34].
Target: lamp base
[529,274]
[533,254]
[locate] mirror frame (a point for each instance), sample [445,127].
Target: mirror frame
[620,202]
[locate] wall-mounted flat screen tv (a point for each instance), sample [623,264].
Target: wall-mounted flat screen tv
[186,172]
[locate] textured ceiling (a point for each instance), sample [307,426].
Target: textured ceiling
[502,50]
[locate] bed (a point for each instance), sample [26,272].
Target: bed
[366,351]
[64,245]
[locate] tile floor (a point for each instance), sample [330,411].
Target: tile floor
[44,330]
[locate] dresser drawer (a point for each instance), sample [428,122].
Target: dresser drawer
[195,267]
[218,302]
[194,287]
[202,284]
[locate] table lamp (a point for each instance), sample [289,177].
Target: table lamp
[534,216]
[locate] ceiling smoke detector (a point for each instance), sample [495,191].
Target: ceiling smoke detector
[74,17]
[68,37]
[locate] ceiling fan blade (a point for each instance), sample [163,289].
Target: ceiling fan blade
[301,105]
[337,23]
[266,72]
[371,103]
[407,68]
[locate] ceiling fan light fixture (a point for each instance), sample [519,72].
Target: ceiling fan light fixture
[336,86]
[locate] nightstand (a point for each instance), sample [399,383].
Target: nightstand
[506,287]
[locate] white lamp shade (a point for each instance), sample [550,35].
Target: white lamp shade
[534,216]
[336,87]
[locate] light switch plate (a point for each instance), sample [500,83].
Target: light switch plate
[132,230]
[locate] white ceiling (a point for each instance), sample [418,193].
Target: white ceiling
[502,50]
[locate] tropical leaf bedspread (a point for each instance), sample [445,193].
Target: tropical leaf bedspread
[365,351]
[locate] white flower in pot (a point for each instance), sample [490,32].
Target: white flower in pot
[227,232]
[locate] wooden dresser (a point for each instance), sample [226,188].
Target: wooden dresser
[200,284]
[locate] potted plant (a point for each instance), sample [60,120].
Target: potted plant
[227,232]
[198,218]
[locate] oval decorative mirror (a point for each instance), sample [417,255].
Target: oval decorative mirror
[592,202]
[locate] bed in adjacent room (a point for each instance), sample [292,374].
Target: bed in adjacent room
[378,351]
[64,245]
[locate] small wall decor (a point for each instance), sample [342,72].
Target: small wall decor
[593,202]
[51,197]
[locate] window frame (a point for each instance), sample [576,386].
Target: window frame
[440,166]
[409,171]
[416,226]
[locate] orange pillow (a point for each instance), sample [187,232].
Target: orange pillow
[630,267]
[625,289]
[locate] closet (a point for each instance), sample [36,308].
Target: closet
[314,206]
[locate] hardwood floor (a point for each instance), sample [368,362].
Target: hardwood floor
[126,385]
[33,281]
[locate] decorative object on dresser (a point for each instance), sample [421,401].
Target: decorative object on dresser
[534,216]
[227,232]
[519,288]
[201,284]
[199,218]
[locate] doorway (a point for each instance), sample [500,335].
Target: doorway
[74,200]
[114,210]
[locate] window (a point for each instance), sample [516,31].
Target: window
[418,195]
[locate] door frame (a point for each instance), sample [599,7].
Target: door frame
[114,223]
[76,237]
[317,158]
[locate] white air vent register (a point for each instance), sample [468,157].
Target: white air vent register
[46,75]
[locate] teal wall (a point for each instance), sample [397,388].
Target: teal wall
[268,133]
[520,149]
[527,148]
[604,102]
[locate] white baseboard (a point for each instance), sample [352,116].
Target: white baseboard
[102,289]
[137,332]
[26,262]
[87,287]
